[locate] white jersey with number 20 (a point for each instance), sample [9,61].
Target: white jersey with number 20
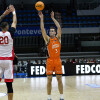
[6,46]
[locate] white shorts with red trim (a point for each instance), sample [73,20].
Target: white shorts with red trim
[6,68]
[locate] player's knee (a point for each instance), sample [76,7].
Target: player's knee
[49,79]
[59,79]
[9,87]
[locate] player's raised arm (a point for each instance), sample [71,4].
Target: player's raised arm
[14,23]
[57,25]
[45,36]
[7,11]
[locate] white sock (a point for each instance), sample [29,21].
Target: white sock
[49,96]
[61,96]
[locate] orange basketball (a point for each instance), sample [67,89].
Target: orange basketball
[39,5]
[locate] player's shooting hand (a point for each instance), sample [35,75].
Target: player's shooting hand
[52,14]
[11,8]
[7,11]
[40,14]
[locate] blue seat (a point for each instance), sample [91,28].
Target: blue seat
[33,10]
[75,22]
[28,11]
[38,18]
[24,11]
[33,19]
[92,17]
[33,14]
[63,9]
[28,22]
[97,17]
[88,17]
[79,21]
[47,18]
[6,20]
[65,22]
[24,15]
[69,18]
[93,21]
[2,11]
[24,19]
[73,14]
[88,22]
[79,18]
[19,11]
[20,15]
[64,14]
[20,19]
[74,18]
[65,18]
[47,22]
[70,22]
[83,17]
[10,19]
[84,22]
[46,14]
[90,25]
[29,19]
[29,15]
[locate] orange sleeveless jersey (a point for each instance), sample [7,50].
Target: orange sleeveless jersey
[54,48]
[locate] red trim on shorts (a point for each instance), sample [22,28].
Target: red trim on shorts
[6,58]
[0,79]
[8,80]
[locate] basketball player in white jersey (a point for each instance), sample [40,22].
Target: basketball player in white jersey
[7,52]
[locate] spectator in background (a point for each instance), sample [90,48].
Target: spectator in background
[63,62]
[41,61]
[82,60]
[28,62]
[36,61]
[77,60]
[67,61]
[73,61]
[94,60]
[89,61]
[21,66]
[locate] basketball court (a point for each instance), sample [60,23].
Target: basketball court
[75,88]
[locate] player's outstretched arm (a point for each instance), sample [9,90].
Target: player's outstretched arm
[57,25]
[7,11]
[45,36]
[12,9]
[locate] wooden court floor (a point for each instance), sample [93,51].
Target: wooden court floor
[75,88]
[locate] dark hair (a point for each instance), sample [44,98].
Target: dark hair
[4,25]
[53,28]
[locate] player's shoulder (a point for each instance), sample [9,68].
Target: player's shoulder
[7,32]
[59,39]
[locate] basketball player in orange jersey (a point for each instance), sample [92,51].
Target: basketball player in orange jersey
[53,62]
[7,52]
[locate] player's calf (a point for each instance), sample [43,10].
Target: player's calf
[9,90]
[60,86]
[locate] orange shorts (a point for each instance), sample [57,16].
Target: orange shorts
[53,65]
